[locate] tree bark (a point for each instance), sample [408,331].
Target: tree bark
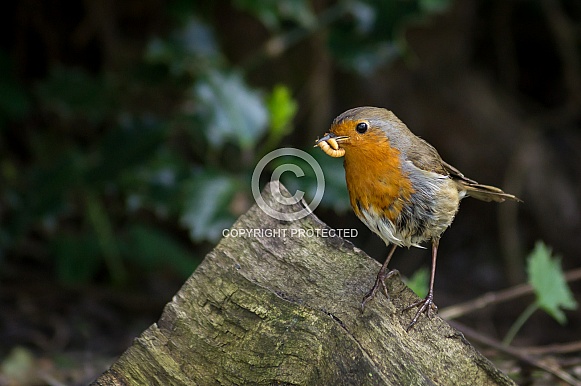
[274,304]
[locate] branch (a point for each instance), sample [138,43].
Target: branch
[520,354]
[490,298]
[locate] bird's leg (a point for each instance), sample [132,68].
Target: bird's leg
[427,305]
[382,275]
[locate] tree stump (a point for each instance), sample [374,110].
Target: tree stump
[278,303]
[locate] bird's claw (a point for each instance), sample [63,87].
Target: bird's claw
[379,281]
[426,306]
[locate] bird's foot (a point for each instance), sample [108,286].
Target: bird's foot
[426,306]
[382,276]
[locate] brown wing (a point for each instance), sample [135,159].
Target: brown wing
[476,190]
[426,157]
[457,174]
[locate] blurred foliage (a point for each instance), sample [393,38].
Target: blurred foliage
[274,13]
[548,281]
[552,292]
[103,170]
[373,35]
[419,282]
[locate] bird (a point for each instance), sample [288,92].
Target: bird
[399,187]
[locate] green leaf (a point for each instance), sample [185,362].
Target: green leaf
[206,210]
[418,282]
[230,110]
[282,109]
[546,277]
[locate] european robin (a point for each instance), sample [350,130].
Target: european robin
[399,186]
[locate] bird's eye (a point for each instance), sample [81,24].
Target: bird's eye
[361,127]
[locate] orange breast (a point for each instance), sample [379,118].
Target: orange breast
[375,179]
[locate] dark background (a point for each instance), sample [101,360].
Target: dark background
[129,132]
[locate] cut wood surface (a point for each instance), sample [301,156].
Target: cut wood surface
[275,304]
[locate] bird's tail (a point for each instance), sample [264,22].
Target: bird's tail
[486,192]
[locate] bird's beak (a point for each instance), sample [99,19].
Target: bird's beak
[329,136]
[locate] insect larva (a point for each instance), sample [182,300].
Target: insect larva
[331,148]
[333,143]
